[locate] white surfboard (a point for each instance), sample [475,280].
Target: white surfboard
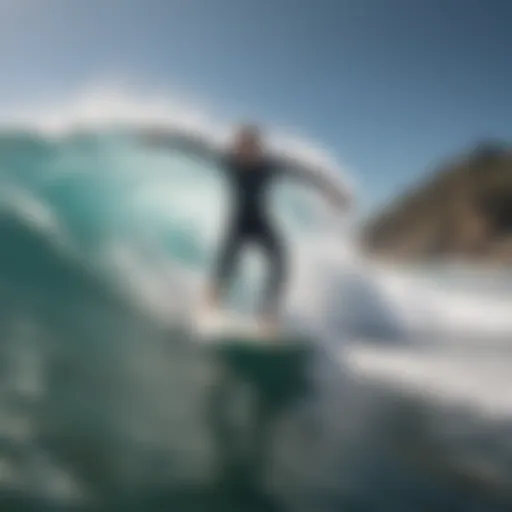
[229,327]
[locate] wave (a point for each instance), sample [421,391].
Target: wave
[150,221]
[106,245]
[102,408]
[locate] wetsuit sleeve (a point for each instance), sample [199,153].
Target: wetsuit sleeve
[318,176]
[193,142]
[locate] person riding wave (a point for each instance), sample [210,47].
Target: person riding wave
[251,170]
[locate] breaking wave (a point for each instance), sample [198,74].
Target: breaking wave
[105,247]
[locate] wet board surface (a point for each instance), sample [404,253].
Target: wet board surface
[225,328]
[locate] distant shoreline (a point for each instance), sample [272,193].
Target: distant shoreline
[463,212]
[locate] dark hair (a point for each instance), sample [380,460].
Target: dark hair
[250,130]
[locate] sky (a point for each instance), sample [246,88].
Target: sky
[392,87]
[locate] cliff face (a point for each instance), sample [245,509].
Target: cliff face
[463,211]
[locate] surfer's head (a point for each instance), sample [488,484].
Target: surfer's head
[248,143]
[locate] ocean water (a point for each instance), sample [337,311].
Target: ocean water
[104,396]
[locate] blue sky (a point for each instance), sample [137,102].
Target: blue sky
[393,87]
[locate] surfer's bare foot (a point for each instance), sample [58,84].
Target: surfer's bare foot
[212,300]
[269,326]
[208,307]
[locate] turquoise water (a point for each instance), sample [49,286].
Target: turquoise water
[103,397]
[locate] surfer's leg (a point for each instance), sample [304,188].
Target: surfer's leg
[276,254]
[225,265]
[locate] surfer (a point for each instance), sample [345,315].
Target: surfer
[251,169]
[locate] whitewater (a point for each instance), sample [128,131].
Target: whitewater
[106,246]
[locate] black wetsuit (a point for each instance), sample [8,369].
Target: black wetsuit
[250,223]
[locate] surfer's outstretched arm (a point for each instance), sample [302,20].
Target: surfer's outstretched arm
[194,142]
[321,177]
